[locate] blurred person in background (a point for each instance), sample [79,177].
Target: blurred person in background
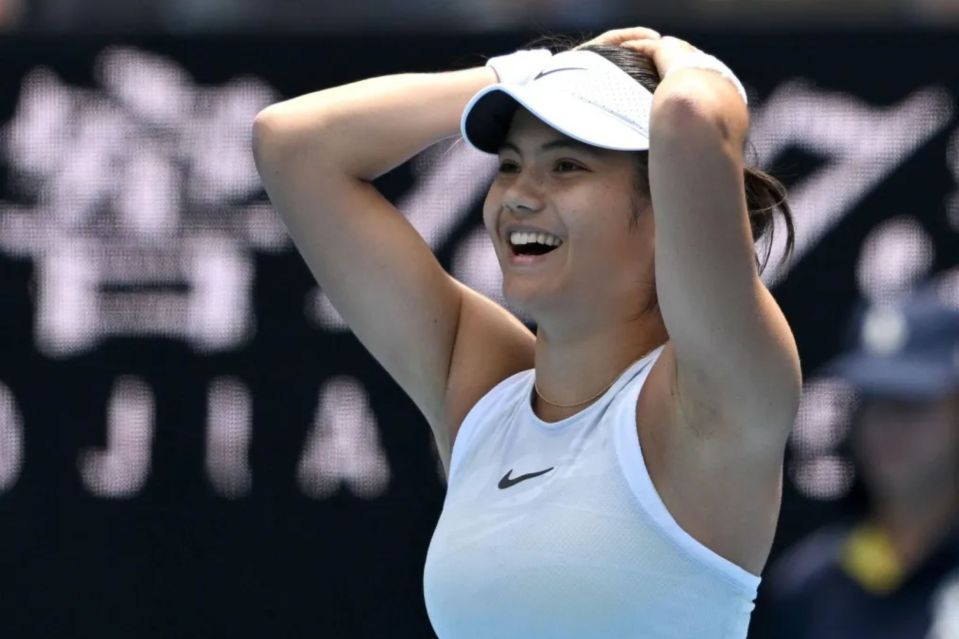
[894,572]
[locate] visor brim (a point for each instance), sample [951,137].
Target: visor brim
[487,118]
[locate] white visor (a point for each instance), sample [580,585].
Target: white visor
[579,93]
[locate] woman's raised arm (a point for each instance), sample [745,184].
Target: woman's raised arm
[738,373]
[317,155]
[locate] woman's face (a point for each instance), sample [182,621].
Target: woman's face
[907,448]
[563,220]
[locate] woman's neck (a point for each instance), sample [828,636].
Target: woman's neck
[574,367]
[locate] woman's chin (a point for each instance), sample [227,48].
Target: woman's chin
[527,299]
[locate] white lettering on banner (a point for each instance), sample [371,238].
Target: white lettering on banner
[895,256]
[11,440]
[122,468]
[822,423]
[229,429]
[343,448]
[844,129]
[135,200]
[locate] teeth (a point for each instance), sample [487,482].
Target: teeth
[519,238]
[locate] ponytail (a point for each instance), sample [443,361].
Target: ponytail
[764,195]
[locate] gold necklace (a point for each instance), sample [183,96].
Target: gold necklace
[586,401]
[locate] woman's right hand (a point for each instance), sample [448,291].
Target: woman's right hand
[617,37]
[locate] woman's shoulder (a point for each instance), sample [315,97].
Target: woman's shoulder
[503,393]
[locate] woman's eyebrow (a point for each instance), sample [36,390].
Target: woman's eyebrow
[552,144]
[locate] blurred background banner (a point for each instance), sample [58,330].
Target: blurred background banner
[192,444]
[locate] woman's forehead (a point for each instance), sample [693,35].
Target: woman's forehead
[526,125]
[527,133]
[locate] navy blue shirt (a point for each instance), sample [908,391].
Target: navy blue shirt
[813,594]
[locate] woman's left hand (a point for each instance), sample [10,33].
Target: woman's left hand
[663,51]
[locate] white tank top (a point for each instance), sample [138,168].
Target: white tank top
[552,530]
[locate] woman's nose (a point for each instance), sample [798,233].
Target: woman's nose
[524,195]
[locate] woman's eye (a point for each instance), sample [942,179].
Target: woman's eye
[562,165]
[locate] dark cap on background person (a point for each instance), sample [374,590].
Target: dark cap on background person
[907,349]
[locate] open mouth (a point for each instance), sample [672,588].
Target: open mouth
[528,243]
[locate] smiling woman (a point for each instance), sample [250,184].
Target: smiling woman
[585,197]
[618,473]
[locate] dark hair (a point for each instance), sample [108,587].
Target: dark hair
[764,193]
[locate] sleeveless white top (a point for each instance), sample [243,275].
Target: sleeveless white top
[554,530]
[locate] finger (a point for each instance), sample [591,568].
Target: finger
[648,47]
[616,37]
[633,33]
[674,41]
